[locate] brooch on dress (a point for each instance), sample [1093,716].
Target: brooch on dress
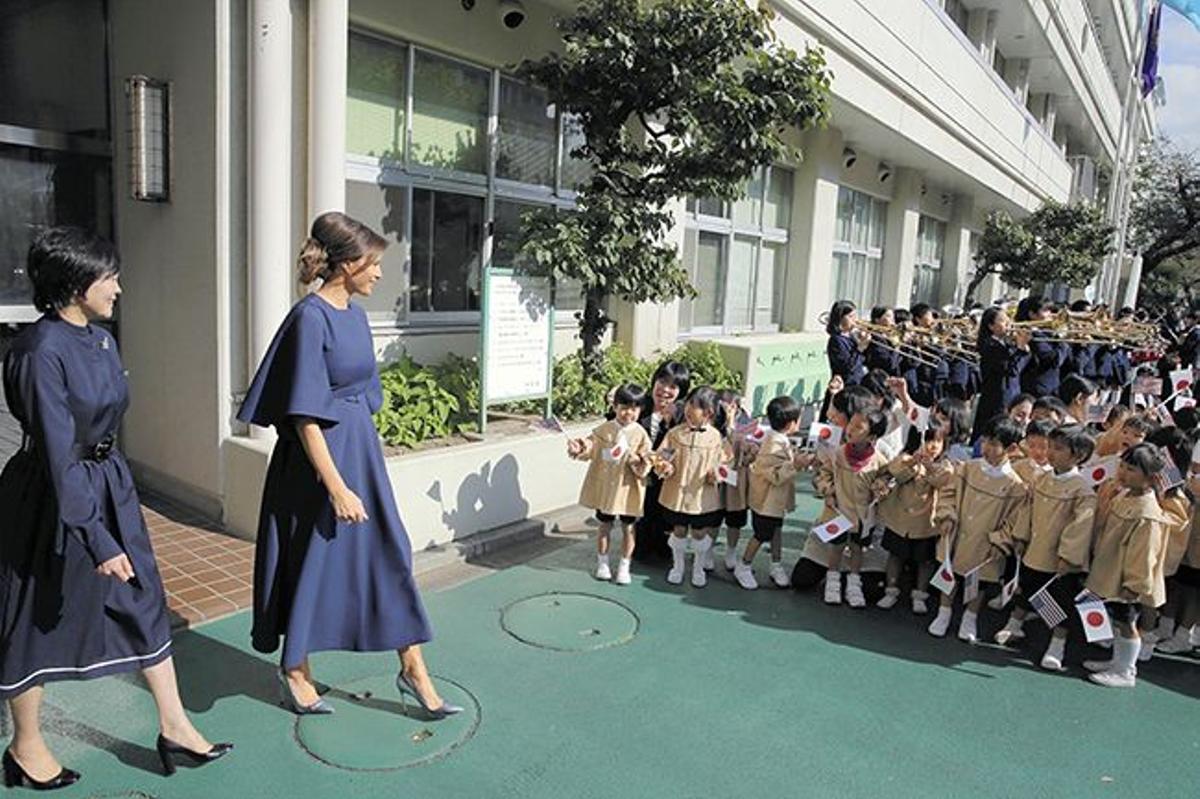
[104,343]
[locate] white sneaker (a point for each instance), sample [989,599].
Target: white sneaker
[731,558]
[710,562]
[833,588]
[1178,644]
[1097,666]
[890,597]
[744,574]
[941,622]
[968,628]
[678,560]
[779,576]
[622,577]
[1052,660]
[1012,632]
[1147,650]
[1114,679]
[919,602]
[703,547]
[603,570]
[854,592]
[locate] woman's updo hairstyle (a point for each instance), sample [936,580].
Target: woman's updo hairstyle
[63,262]
[336,239]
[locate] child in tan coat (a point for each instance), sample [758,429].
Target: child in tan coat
[980,497]
[618,452]
[1053,536]
[844,480]
[772,492]
[687,461]
[1125,554]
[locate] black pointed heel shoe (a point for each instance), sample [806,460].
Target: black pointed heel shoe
[168,750]
[16,777]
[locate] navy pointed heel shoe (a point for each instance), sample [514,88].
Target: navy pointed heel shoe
[407,689]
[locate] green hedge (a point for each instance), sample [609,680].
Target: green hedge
[424,402]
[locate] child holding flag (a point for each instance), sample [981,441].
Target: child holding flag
[1052,535]
[1124,561]
[906,510]
[772,491]
[1033,458]
[687,461]
[742,436]
[615,486]
[844,480]
[980,497]
[1176,506]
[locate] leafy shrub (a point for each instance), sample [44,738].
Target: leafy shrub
[415,405]
[703,360]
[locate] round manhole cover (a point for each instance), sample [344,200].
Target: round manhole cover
[372,731]
[569,622]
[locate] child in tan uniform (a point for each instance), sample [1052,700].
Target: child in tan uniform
[772,492]
[733,494]
[1124,557]
[844,480]
[1053,536]
[615,486]
[906,510]
[687,460]
[1034,457]
[980,497]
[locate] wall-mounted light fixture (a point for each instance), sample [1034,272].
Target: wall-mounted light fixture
[149,103]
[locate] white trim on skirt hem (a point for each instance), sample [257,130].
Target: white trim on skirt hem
[83,669]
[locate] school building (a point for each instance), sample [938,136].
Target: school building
[204,135]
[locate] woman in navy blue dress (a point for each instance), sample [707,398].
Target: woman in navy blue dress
[80,593]
[1000,365]
[333,563]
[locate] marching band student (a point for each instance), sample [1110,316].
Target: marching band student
[1084,358]
[615,486]
[1125,554]
[772,492]
[879,355]
[687,461]
[1052,536]
[1000,366]
[733,494]
[926,381]
[1042,374]
[980,497]
[844,480]
[906,511]
[1078,393]
[1033,455]
[845,350]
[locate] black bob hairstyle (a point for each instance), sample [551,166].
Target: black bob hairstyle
[63,262]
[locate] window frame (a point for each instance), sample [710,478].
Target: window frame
[850,249]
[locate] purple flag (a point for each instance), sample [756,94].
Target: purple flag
[1150,58]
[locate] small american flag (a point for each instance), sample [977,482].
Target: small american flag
[1050,611]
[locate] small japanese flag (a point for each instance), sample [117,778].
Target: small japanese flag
[1094,616]
[1185,402]
[918,417]
[727,475]
[1181,380]
[1097,472]
[757,433]
[618,450]
[971,586]
[824,435]
[1009,589]
[943,579]
[827,531]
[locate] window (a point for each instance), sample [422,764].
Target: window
[447,231]
[927,272]
[450,114]
[1000,64]
[957,13]
[422,170]
[858,236]
[528,134]
[736,253]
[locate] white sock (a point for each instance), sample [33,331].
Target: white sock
[944,611]
[1014,624]
[1125,653]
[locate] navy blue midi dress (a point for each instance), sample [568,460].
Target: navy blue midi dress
[69,504]
[321,583]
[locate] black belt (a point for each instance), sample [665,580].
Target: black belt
[95,452]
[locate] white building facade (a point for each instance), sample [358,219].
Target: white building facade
[405,114]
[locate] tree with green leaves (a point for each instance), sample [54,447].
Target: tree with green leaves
[1164,217]
[674,98]
[1057,243]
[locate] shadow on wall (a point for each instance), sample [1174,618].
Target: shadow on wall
[488,498]
[799,391]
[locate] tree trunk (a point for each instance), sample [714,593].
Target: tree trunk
[591,332]
[976,281]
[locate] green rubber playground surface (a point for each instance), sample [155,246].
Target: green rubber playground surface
[575,688]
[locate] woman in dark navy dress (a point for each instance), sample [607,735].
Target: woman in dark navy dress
[333,563]
[80,594]
[1000,365]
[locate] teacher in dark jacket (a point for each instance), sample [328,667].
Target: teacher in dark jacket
[1000,365]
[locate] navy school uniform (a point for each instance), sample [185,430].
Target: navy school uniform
[1041,376]
[1083,361]
[927,382]
[1000,365]
[964,379]
[882,357]
[322,583]
[845,359]
[69,504]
